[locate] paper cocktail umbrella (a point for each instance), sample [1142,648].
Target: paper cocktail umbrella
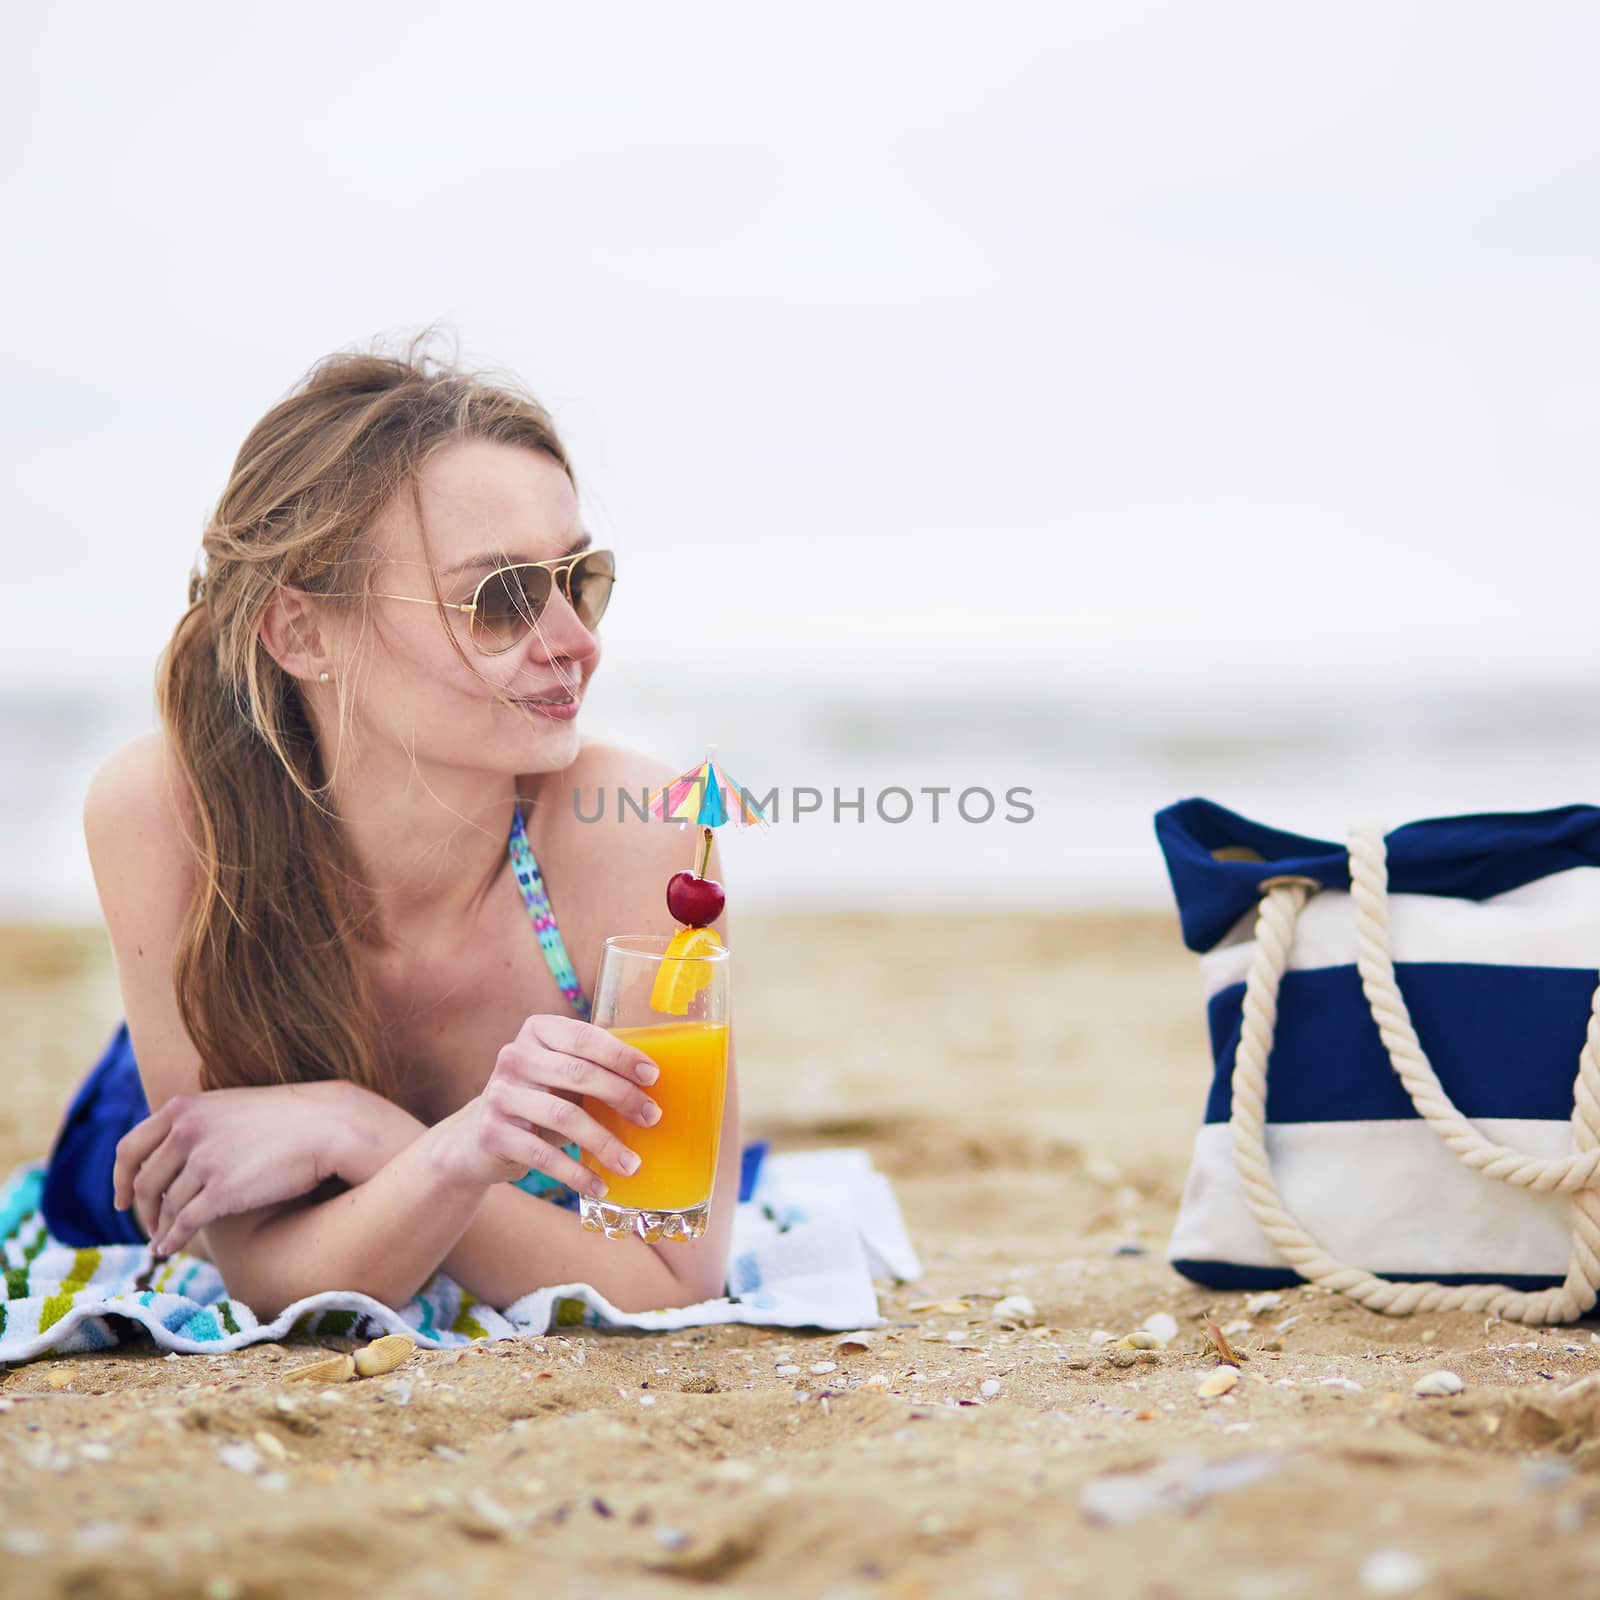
[702,795]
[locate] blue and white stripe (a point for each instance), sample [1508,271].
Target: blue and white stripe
[1495,934]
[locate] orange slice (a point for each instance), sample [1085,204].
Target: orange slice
[679,980]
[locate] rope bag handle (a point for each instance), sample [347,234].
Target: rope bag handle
[1282,900]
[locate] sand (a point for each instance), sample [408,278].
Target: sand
[1033,1094]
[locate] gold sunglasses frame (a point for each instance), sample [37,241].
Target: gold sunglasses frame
[560,569]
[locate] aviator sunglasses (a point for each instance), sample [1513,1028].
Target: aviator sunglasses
[509,600]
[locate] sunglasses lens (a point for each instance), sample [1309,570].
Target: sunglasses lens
[509,603]
[589,585]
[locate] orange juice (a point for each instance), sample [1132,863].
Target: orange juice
[678,1156]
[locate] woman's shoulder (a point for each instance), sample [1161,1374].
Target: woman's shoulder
[595,814]
[615,766]
[142,781]
[586,790]
[137,811]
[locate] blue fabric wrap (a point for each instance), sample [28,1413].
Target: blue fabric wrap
[77,1199]
[1469,858]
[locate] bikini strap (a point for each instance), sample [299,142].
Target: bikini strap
[531,882]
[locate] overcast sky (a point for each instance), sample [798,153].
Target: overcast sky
[1151,342]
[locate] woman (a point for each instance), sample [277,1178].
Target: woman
[360,1062]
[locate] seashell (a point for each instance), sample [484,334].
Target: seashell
[1102,1170]
[1163,1325]
[1437,1384]
[1015,1308]
[384,1355]
[241,1457]
[1217,1382]
[1139,1339]
[989,1388]
[1393,1572]
[331,1369]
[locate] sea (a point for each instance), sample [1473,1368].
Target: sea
[920,794]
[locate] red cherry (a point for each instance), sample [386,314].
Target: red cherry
[693,901]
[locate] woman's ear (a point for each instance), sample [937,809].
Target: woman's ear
[290,633]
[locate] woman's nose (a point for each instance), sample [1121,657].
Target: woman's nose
[559,633]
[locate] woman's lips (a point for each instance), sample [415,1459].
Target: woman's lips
[559,710]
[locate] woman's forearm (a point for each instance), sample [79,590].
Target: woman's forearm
[511,1243]
[515,1241]
[519,1242]
[385,1237]
[371,1131]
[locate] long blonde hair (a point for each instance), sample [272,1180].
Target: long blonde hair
[265,974]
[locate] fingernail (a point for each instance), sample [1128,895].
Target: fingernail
[651,1114]
[629,1162]
[648,1073]
[598,1189]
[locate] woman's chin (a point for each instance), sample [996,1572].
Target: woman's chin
[546,742]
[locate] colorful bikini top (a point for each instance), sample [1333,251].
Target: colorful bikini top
[531,882]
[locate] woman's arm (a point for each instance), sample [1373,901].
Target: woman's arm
[404,1217]
[416,1214]
[384,1237]
[508,1250]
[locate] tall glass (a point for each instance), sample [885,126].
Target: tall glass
[669,1197]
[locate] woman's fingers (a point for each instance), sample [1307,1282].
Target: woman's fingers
[132,1149]
[178,1204]
[570,1122]
[569,1036]
[573,1071]
[159,1171]
[557,1164]
[569,1075]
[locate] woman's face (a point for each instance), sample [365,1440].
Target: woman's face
[484,505]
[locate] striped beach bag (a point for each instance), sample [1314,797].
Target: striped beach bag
[1406,1037]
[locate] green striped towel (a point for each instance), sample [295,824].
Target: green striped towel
[806,1246]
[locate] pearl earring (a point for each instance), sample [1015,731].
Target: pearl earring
[322,677]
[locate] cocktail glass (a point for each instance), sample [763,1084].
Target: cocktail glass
[669,1197]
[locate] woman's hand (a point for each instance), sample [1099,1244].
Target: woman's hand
[209,1155]
[532,1106]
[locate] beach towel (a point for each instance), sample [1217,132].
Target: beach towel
[810,1234]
